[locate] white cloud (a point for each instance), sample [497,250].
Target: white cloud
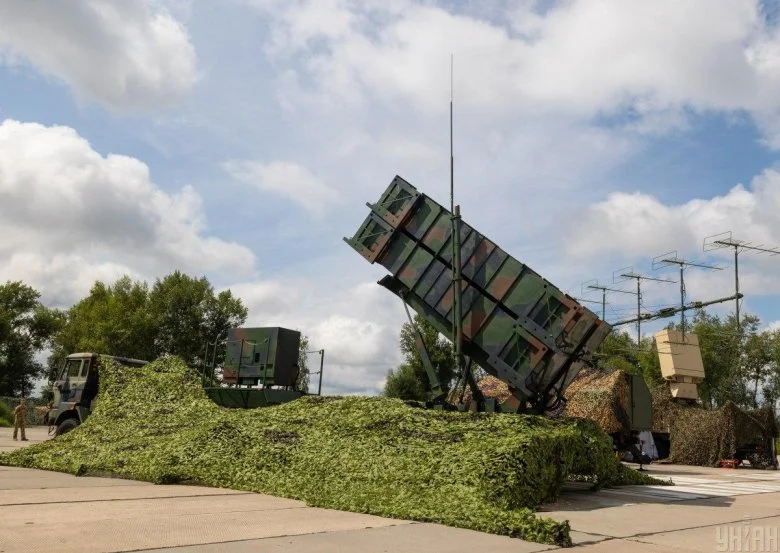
[357,325]
[61,278]
[69,215]
[127,55]
[269,300]
[637,226]
[286,179]
[581,59]
[634,224]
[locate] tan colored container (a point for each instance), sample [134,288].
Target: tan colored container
[680,359]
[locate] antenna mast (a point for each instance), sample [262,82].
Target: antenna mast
[452,157]
[671,258]
[594,285]
[727,240]
[457,316]
[627,273]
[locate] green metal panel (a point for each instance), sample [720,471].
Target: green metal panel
[641,404]
[261,356]
[516,325]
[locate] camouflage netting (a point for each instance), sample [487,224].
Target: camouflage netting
[664,408]
[370,455]
[490,386]
[601,396]
[704,437]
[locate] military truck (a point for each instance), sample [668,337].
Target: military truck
[260,368]
[76,387]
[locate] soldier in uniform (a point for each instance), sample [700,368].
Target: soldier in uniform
[20,418]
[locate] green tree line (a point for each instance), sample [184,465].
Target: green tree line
[176,315]
[741,361]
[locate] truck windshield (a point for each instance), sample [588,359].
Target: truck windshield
[75,369]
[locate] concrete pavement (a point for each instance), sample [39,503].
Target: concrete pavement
[35,434]
[709,510]
[704,510]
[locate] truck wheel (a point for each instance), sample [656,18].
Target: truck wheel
[66,426]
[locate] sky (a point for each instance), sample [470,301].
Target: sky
[241,139]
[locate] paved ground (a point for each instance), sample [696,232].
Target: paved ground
[708,510]
[35,434]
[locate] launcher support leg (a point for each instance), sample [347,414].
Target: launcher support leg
[437,392]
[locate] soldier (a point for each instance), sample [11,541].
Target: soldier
[20,418]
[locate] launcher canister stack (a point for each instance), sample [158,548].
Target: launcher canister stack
[516,325]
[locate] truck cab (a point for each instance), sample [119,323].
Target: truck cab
[76,388]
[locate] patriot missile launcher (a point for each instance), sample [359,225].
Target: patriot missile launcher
[514,324]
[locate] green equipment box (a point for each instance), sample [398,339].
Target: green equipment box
[265,356]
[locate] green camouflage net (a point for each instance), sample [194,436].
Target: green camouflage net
[372,455]
[704,437]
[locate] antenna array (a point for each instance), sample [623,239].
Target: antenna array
[727,240]
[671,259]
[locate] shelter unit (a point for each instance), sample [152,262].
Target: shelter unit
[266,357]
[516,325]
[681,364]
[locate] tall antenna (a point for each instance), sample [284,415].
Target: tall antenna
[627,273]
[726,240]
[671,258]
[452,156]
[457,327]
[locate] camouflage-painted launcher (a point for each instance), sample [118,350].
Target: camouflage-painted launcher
[516,325]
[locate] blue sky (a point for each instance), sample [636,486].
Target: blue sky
[241,139]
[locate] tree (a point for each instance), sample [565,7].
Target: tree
[440,351]
[178,316]
[112,319]
[222,312]
[405,383]
[619,351]
[771,386]
[740,361]
[757,358]
[26,327]
[178,305]
[649,363]
[722,347]
[187,315]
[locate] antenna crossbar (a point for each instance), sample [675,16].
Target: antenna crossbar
[628,273]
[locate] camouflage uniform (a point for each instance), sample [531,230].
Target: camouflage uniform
[20,418]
